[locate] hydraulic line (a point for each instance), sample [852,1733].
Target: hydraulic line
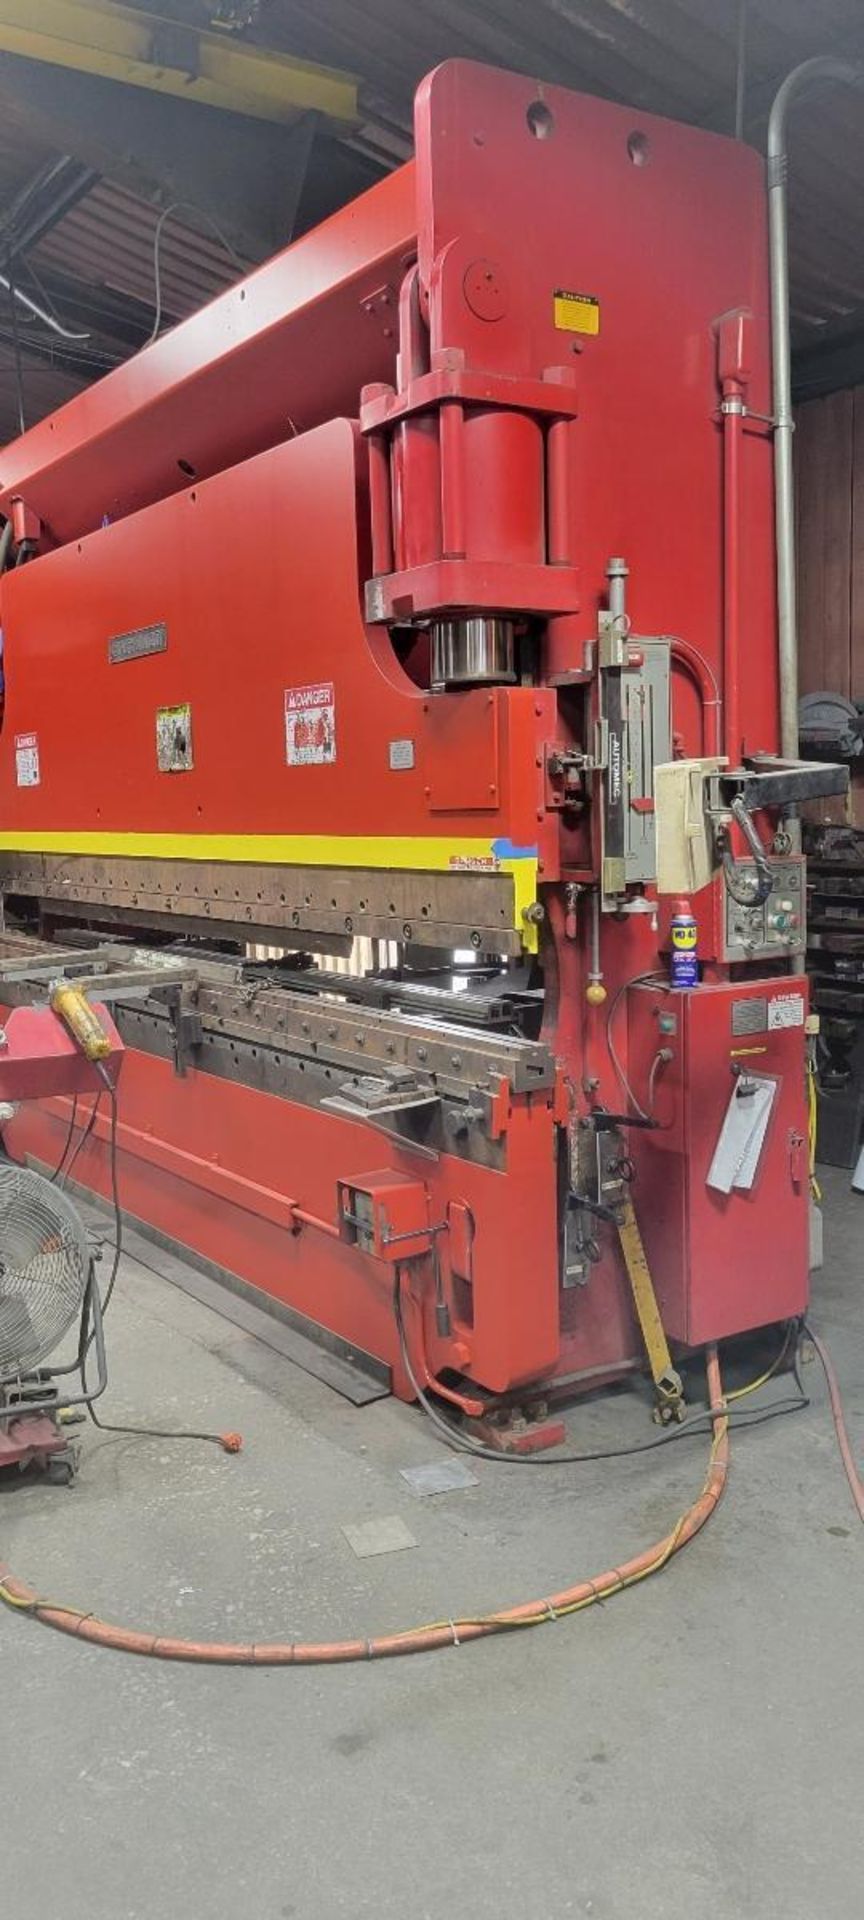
[423,1639]
[856,1485]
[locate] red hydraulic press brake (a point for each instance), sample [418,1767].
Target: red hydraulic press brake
[366,604]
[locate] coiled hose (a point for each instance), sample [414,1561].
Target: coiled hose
[423,1639]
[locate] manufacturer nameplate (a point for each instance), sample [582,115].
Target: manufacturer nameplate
[749,1016]
[134,645]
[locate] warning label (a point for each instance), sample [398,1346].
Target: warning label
[576,312]
[786,1011]
[27,759]
[310,725]
[174,739]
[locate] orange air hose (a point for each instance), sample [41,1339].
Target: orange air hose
[442,1633]
[855,1483]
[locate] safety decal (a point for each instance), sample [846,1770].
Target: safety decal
[310,725]
[787,1010]
[174,739]
[401,755]
[576,312]
[27,759]
[473,863]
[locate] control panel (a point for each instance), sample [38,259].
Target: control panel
[776,928]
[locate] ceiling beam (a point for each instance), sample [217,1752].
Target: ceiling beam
[116,42]
[248,179]
[42,203]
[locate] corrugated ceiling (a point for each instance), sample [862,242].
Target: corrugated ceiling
[110,237]
[678,57]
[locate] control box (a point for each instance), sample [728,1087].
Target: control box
[777,928]
[722,1260]
[385,1214]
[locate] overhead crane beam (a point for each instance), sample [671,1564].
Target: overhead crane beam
[122,43]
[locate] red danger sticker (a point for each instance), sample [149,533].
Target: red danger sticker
[310,725]
[27,759]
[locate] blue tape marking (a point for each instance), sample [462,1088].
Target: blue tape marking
[505,850]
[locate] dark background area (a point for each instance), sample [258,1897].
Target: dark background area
[90,165]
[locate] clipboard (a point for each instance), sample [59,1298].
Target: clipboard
[738,1152]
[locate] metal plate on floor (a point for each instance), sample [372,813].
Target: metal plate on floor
[438,1476]
[387,1535]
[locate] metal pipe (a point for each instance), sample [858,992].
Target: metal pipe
[822,67]
[707,683]
[305,1219]
[41,313]
[595,991]
[732,409]
[741,70]
[617,574]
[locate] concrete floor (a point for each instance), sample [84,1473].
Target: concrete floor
[693,1747]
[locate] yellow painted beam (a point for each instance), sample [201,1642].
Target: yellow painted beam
[118,42]
[417,853]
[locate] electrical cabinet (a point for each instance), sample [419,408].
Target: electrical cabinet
[721,1262]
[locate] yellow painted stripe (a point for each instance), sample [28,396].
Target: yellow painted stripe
[418,854]
[429,854]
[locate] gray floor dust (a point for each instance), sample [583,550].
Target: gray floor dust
[695,1747]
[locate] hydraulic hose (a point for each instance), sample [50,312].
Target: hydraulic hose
[424,1639]
[856,1486]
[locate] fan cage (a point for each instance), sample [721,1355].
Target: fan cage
[44,1269]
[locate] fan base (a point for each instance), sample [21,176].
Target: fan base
[37,1440]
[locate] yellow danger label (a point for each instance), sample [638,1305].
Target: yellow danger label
[576,312]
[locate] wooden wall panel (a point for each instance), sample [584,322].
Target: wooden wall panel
[857,595]
[829,477]
[808,444]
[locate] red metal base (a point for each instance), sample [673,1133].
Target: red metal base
[32,1439]
[515,1430]
[229,1172]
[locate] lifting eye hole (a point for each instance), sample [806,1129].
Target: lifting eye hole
[541,122]
[639,149]
[187,468]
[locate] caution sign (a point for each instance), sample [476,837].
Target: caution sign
[27,760]
[576,312]
[310,725]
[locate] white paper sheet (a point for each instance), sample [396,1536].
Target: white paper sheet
[742,1135]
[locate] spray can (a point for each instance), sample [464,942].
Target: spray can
[684,933]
